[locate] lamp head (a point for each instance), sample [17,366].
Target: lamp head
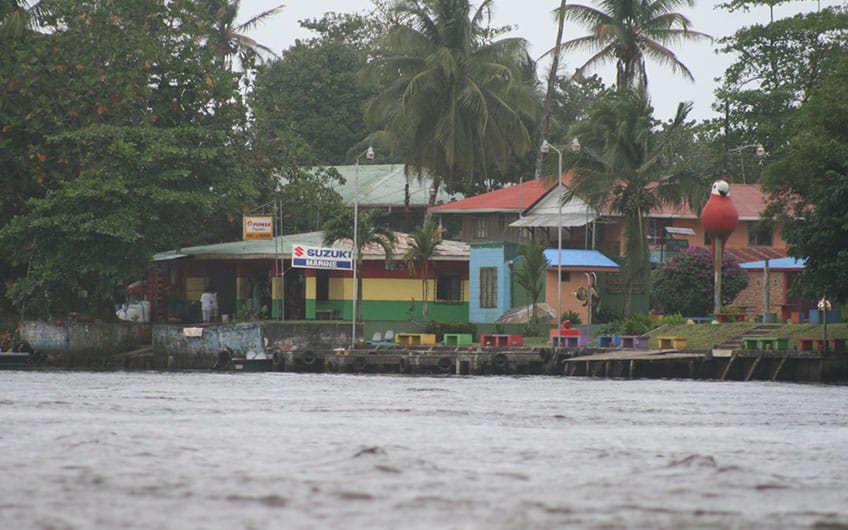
[369,154]
[760,151]
[575,145]
[546,147]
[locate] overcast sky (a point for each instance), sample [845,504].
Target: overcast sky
[534,21]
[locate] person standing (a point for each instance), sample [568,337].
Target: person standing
[209,304]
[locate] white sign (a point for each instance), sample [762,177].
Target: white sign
[321,258]
[258,228]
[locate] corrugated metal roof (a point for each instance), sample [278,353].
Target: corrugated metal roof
[749,200]
[282,246]
[385,185]
[748,254]
[514,198]
[546,212]
[591,259]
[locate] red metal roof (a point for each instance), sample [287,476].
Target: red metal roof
[749,199]
[513,198]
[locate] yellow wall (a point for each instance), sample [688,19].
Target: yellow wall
[380,290]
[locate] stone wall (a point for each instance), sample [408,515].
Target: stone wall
[81,336]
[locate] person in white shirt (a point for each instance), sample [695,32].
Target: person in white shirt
[209,304]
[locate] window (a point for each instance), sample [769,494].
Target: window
[759,234]
[481,228]
[564,276]
[488,287]
[448,287]
[322,285]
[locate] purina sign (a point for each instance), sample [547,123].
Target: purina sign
[258,228]
[321,258]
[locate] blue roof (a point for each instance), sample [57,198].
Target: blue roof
[580,258]
[776,264]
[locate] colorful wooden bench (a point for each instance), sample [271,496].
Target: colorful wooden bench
[761,342]
[634,342]
[817,344]
[415,339]
[457,339]
[667,342]
[490,339]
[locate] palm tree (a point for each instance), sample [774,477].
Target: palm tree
[370,232]
[227,40]
[453,101]
[623,170]
[552,80]
[630,31]
[17,17]
[423,247]
[529,273]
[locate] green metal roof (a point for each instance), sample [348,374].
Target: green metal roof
[282,246]
[384,185]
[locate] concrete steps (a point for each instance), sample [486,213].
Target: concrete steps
[737,342]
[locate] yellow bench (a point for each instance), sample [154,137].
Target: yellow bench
[667,343]
[415,339]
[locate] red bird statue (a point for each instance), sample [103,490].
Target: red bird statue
[719,218]
[719,215]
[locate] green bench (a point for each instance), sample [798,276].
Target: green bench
[458,339]
[765,343]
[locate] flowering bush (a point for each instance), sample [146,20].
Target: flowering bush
[684,284]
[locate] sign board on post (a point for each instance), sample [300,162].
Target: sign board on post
[258,228]
[321,258]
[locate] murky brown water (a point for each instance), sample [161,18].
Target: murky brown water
[194,450]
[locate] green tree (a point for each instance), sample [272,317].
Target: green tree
[422,249]
[454,103]
[777,67]
[371,231]
[685,283]
[809,188]
[118,133]
[315,91]
[529,273]
[553,76]
[622,170]
[227,39]
[630,31]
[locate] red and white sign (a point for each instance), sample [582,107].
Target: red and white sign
[258,228]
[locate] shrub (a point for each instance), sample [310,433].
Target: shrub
[440,328]
[572,316]
[635,324]
[684,284]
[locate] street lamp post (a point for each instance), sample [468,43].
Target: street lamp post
[824,306]
[546,148]
[369,155]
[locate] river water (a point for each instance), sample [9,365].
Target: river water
[116,450]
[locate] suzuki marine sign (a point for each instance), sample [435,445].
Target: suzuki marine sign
[321,258]
[258,228]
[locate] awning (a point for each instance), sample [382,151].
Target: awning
[551,220]
[591,259]
[778,264]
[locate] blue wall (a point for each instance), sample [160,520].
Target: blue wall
[495,255]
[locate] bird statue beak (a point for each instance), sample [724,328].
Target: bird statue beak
[723,193]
